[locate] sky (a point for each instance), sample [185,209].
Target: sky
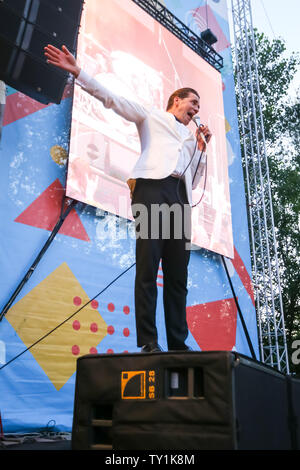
[279,19]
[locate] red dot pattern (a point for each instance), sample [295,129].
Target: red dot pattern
[75,350]
[77,300]
[76,325]
[94,326]
[110,330]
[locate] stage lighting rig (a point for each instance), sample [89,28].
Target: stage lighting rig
[202,47]
[209,37]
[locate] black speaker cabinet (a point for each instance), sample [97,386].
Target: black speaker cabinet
[183,401]
[26,27]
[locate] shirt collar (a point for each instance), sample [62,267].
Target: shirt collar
[177,119]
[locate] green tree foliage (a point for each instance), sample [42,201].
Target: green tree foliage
[276,71]
[281,114]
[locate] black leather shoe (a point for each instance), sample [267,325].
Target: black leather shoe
[151,347]
[183,348]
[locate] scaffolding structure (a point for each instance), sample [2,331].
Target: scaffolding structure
[266,273]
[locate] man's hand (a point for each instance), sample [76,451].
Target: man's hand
[62,59]
[203,131]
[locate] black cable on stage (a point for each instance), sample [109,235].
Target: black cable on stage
[62,217]
[240,312]
[67,319]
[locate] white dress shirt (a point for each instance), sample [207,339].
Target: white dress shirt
[166,145]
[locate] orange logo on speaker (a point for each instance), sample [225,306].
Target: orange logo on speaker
[138,384]
[133,385]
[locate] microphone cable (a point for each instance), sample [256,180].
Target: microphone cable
[183,173]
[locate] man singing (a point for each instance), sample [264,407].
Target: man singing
[164,176]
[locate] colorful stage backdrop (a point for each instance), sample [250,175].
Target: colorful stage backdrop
[65,309]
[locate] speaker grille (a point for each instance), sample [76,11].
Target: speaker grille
[26,27]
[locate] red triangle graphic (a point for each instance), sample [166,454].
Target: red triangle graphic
[19,106]
[243,274]
[45,211]
[213,324]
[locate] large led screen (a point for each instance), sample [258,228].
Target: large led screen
[135,56]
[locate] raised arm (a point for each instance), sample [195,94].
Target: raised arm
[62,59]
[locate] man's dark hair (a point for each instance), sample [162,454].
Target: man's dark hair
[181,93]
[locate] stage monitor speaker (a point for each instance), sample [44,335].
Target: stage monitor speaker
[26,27]
[182,401]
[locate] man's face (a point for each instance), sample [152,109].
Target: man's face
[185,108]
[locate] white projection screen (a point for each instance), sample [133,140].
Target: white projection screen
[135,56]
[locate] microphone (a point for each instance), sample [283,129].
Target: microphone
[197,121]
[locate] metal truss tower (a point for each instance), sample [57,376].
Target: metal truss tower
[266,275]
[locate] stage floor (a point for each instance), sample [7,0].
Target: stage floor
[30,442]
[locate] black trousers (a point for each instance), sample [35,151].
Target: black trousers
[163,223]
